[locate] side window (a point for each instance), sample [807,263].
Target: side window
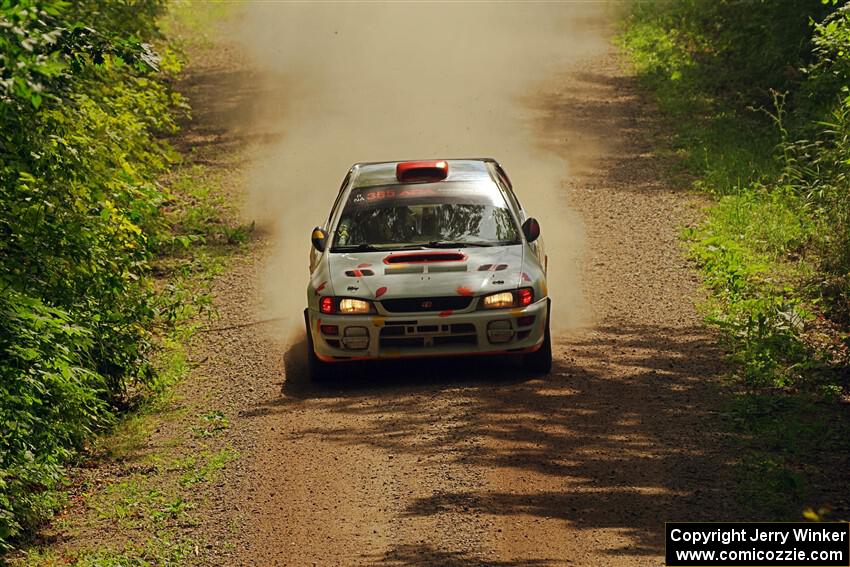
[339,196]
[504,176]
[509,193]
[515,202]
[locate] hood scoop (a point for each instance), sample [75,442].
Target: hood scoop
[424,257]
[440,268]
[404,269]
[421,268]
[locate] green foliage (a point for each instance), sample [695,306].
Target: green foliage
[758,96]
[49,403]
[208,467]
[759,93]
[792,444]
[744,249]
[82,101]
[213,422]
[156,550]
[669,55]
[734,50]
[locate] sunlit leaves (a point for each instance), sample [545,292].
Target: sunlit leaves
[80,107]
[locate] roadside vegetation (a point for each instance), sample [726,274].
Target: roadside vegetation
[756,97]
[109,239]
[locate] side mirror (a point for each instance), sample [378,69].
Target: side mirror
[318,238]
[531,229]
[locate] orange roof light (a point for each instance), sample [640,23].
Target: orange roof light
[421,171]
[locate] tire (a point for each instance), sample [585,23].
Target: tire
[318,371]
[540,361]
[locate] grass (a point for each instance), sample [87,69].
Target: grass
[136,502]
[154,550]
[751,250]
[191,26]
[747,251]
[789,445]
[213,422]
[205,467]
[719,150]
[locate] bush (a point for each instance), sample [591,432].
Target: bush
[735,50]
[760,94]
[50,402]
[757,96]
[82,101]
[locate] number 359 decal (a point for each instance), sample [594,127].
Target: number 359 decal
[381,194]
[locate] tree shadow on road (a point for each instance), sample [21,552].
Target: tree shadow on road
[420,554]
[626,425]
[363,378]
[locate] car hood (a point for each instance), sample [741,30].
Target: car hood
[426,273]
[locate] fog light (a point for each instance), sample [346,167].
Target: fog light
[500,331]
[525,321]
[330,329]
[356,338]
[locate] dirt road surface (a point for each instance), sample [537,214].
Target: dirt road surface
[461,463]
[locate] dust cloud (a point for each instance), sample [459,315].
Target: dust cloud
[343,83]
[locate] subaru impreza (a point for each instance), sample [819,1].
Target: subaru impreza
[427,258]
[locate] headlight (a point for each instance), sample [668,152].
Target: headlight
[517,298]
[498,300]
[349,306]
[343,306]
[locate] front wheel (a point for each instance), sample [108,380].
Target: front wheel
[319,371]
[540,361]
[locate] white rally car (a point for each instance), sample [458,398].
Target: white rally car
[427,258]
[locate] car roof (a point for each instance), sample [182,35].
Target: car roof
[370,174]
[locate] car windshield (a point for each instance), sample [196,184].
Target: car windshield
[449,214]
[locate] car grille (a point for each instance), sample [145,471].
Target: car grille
[409,335]
[425,304]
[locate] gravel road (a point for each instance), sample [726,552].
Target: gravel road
[473,462]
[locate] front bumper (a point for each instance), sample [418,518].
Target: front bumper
[340,338]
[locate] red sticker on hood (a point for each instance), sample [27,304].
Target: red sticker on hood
[380,291]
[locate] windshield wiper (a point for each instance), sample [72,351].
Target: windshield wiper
[458,244]
[356,248]
[420,246]
[364,247]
